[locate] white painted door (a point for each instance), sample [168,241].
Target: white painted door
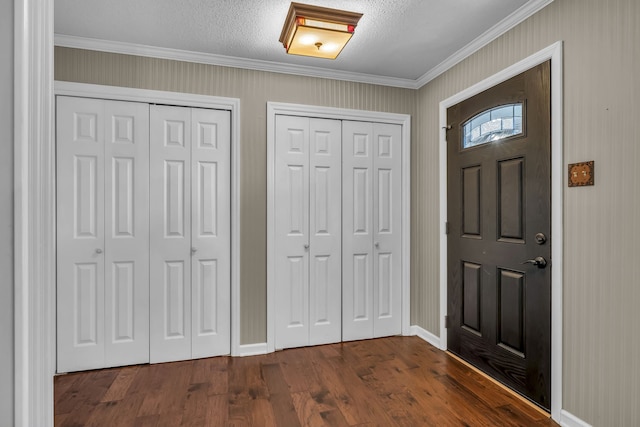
[170,222]
[325,232]
[190,233]
[307,231]
[210,232]
[372,239]
[102,233]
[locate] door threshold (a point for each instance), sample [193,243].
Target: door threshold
[498,383]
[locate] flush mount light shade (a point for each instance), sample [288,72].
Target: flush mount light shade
[317,31]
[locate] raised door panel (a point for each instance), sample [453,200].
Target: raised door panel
[210,232]
[80,234]
[510,215]
[126,233]
[357,227]
[325,231]
[292,231]
[170,233]
[387,229]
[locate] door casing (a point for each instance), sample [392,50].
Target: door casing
[275,108]
[553,53]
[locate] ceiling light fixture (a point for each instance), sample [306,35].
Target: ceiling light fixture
[317,31]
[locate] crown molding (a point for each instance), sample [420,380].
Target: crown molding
[227,61]
[529,9]
[484,39]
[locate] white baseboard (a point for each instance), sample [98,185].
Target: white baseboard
[567,419]
[427,336]
[252,349]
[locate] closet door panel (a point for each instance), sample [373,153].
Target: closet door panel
[292,231]
[126,233]
[357,230]
[170,233]
[325,232]
[210,232]
[80,239]
[387,211]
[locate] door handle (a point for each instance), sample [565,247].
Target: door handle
[194,250]
[98,251]
[538,261]
[306,246]
[377,245]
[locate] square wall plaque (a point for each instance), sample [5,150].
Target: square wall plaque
[581,174]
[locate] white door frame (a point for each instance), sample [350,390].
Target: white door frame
[275,108]
[554,53]
[198,101]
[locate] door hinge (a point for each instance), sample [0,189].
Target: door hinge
[447,321]
[446,227]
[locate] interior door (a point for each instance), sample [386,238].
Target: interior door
[190,233]
[372,225]
[80,233]
[170,221]
[102,233]
[499,251]
[211,232]
[307,231]
[325,232]
[292,231]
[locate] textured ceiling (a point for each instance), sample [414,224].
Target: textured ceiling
[401,39]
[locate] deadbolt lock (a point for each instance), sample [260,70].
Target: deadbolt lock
[541,239]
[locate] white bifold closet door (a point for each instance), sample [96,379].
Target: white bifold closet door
[307,231]
[371,227]
[190,233]
[102,233]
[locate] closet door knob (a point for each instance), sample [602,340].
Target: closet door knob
[194,250]
[98,251]
[306,246]
[377,245]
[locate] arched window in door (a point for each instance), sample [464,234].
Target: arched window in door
[493,125]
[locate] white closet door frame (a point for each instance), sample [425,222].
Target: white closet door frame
[276,108]
[188,100]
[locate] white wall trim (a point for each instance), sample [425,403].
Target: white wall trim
[484,39]
[529,9]
[569,420]
[252,349]
[188,100]
[275,108]
[554,53]
[425,335]
[227,61]
[34,214]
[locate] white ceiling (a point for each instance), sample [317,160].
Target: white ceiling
[396,41]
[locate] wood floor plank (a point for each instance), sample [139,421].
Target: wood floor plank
[81,399]
[395,381]
[217,410]
[121,384]
[279,396]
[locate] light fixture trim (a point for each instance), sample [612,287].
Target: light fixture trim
[330,26]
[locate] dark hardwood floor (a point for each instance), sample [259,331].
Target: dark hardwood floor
[397,381]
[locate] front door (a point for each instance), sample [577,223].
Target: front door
[499,242]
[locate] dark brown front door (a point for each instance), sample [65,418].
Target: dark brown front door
[499,208]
